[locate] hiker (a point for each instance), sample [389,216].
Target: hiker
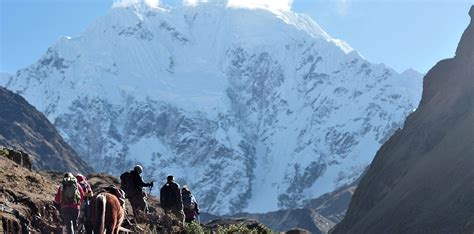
[171,200]
[190,205]
[69,196]
[84,212]
[132,184]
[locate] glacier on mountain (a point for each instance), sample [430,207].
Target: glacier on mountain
[255,110]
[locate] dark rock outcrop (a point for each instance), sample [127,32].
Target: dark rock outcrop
[24,128]
[297,231]
[422,179]
[19,157]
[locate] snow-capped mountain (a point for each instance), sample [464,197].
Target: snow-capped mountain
[254,109]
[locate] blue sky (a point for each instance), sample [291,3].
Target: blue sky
[400,33]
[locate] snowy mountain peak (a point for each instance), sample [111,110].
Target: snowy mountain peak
[412,72]
[232,12]
[254,109]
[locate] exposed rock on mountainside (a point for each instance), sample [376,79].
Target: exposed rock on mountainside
[19,157]
[422,179]
[23,127]
[259,109]
[26,199]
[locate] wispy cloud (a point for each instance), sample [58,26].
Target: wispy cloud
[269,4]
[343,6]
[194,2]
[125,3]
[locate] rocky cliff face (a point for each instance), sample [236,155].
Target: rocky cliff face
[255,110]
[23,127]
[422,179]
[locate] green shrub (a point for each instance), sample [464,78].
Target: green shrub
[262,229]
[240,228]
[4,152]
[193,228]
[231,229]
[234,228]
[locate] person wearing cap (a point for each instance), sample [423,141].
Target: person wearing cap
[138,197]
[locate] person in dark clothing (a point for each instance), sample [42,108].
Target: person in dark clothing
[137,197]
[190,205]
[171,201]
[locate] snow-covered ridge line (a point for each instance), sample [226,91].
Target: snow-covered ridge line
[298,20]
[254,110]
[249,4]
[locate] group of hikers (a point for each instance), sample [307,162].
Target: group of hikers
[74,197]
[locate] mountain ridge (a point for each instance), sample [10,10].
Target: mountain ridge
[23,127]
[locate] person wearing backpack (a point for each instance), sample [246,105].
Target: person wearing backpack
[190,205]
[69,196]
[84,212]
[132,184]
[171,200]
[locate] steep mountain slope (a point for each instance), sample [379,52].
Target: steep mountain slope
[422,179]
[23,127]
[256,109]
[26,200]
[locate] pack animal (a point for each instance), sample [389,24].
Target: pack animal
[107,213]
